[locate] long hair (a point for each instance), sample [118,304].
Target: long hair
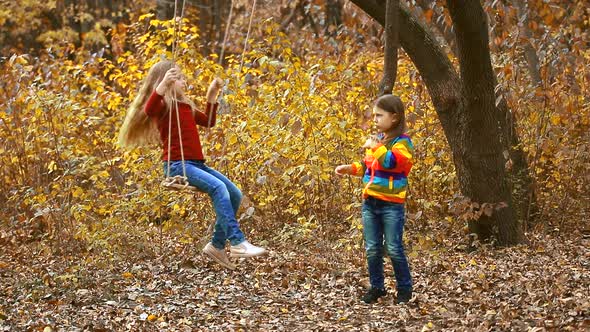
[393,104]
[138,129]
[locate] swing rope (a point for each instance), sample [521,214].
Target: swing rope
[247,37]
[176,182]
[225,40]
[226,34]
[180,182]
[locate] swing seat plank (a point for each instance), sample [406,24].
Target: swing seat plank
[179,183]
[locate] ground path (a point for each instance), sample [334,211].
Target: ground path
[535,287]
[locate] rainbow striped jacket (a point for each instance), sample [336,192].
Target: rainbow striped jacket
[385,170]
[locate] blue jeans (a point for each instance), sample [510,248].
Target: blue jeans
[384,222]
[225,195]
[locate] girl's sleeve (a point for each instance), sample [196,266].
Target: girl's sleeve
[207,118]
[399,158]
[155,105]
[359,168]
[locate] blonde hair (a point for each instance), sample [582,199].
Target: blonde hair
[138,129]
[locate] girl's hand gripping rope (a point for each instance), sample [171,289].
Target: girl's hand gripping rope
[213,90]
[171,76]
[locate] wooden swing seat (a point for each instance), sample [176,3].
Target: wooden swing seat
[178,183]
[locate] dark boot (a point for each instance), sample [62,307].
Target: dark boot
[403,296]
[373,294]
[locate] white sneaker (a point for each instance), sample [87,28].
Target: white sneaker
[246,249]
[218,255]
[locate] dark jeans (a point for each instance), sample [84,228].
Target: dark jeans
[383,222]
[225,195]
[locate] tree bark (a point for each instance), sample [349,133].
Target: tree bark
[306,14]
[438,21]
[333,10]
[218,12]
[164,9]
[466,109]
[391,28]
[484,179]
[529,51]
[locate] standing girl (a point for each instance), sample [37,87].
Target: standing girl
[147,121]
[385,168]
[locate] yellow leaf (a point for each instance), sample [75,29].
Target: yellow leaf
[41,198]
[51,167]
[428,326]
[127,275]
[144,16]
[429,160]
[152,318]
[77,192]
[22,60]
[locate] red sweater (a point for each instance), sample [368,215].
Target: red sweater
[156,109]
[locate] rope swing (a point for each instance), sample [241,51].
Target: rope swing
[180,182]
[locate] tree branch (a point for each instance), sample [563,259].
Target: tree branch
[427,55]
[391,29]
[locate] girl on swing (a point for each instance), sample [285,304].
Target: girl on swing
[148,116]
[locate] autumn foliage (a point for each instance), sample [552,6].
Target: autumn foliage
[288,120]
[288,117]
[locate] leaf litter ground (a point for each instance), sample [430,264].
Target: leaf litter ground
[540,286]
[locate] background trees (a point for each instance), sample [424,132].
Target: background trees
[90,240]
[476,103]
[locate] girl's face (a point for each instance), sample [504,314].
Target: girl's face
[384,121]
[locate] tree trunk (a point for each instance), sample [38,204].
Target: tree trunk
[307,16]
[466,109]
[485,179]
[218,6]
[521,181]
[164,9]
[529,51]
[333,10]
[438,21]
[391,28]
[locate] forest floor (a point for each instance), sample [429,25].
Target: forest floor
[311,286]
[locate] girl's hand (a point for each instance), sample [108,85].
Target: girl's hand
[371,142]
[216,84]
[172,75]
[343,169]
[213,90]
